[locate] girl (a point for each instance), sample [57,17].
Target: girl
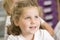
[8,5]
[25,21]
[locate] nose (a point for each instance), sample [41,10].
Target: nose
[33,21]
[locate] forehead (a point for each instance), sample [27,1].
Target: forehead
[32,9]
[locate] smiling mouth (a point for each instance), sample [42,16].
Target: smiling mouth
[32,27]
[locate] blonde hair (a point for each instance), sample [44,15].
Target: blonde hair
[7,5]
[17,11]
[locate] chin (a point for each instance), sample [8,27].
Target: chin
[33,32]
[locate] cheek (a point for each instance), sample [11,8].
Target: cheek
[38,22]
[24,24]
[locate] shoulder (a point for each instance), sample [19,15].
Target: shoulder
[42,30]
[46,35]
[45,32]
[15,37]
[12,37]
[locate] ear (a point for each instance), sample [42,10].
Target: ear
[16,22]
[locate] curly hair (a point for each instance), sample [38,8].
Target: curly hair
[17,11]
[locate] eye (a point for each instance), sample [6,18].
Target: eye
[36,16]
[27,17]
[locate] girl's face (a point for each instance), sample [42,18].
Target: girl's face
[29,20]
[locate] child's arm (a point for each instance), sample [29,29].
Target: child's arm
[46,26]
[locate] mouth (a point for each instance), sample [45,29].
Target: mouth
[33,27]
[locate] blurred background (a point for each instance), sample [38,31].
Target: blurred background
[2,21]
[51,14]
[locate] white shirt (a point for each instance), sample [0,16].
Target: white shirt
[8,21]
[57,31]
[57,28]
[39,35]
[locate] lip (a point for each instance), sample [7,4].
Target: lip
[32,27]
